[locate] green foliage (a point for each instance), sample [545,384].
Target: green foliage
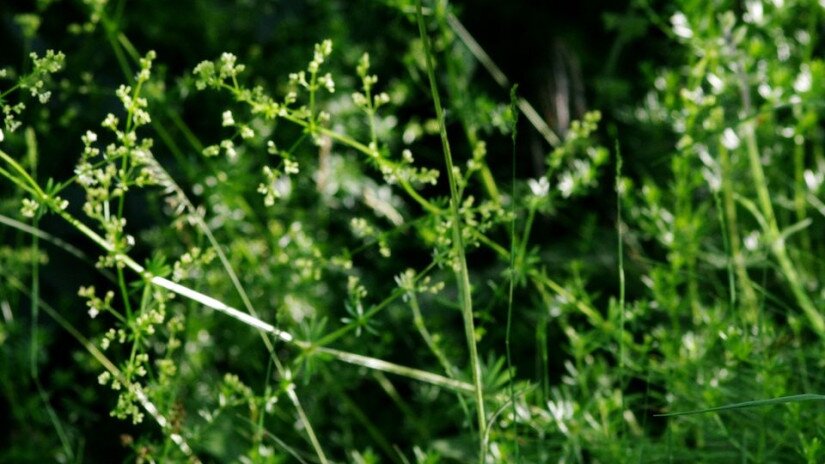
[315,248]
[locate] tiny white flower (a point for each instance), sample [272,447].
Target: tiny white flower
[382,99]
[539,187]
[29,208]
[803,80]
[680,25]
[567,184]
[715,82]
[752,240]
[729,139]
[783,51]
[813,180]
[755,12]
[110,121]
[228,120]
[290,167]
[1,135]
[229,148]
[713,178]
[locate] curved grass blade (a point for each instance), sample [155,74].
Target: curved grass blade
[751,404]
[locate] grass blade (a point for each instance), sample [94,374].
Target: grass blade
[751,404]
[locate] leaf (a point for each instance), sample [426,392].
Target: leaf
[751,404]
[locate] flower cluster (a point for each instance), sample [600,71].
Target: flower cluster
[36,82]
[106,175]
[575,165]
[476,221]
[214,74]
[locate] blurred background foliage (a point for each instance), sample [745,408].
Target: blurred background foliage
[688,91]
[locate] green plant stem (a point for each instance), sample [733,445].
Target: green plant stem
[68,248]
[418,320]
[349,141]
[116,44]
[464,104]
[525,236]
[512,279]
[352,143]
[255,322]
[35,348]
[411,416]
[800,190]
[24,179]
[107,364]
[449,369]
[726,244]
[463,273]
[362,417]
[775,237]
[18,182]
[771,226]
[111,37]
[732,229]
[620,255]
[398,293]
[541,279]
[501,79]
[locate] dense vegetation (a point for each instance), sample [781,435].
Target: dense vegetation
[270,231]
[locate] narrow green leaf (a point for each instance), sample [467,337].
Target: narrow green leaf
[751,404]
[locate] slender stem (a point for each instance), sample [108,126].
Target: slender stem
[775,237]
[116,44]
[9,90]
[620,253]
[144,401]
[501,79]
[748,294]
[35,347]
[68,248]
[512,280]
[398,293]
[540,279]
[418,320]
[800,190]
[411,416]
[771,228]
[726,244]
[349,141]
[257,323]
[34,187]
[18,182]
[374,431]
[459,95]
[404,371]
[352,143]
[463,273]
[525,237]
